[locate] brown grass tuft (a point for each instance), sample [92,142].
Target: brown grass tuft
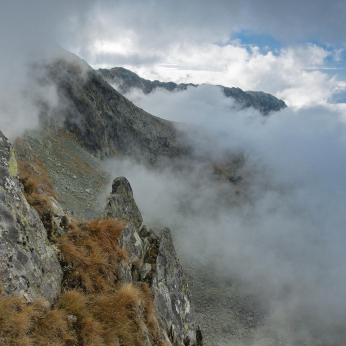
[35,194]
[92,254]
[123,316]
[96,309]
[35,175]
[32,324]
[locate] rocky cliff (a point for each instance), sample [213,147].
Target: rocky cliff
[126,80]
[28,263]
[102,256]
[94,122]
[153,260]
[65,156]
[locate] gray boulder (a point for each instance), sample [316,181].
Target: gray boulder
[130,240]
[132,243]
[121,205]
[172,297]
[29,265]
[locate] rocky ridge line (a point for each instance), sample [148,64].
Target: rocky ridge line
[126,80]
[159,267]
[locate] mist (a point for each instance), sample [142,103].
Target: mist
[31,37]
[280,231]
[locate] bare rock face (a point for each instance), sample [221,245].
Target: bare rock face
[172,298]
[153,259]
[121,205]
[160,268]
[130,240]
[104,122]
[29,266]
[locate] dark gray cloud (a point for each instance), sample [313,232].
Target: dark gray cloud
[166,21]
[295,21]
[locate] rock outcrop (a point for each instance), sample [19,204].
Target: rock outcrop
[121,205]
[172,298]
[29,266]
[153,259]
[125,80]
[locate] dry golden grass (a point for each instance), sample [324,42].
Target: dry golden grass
[95,309]
[92,254]
[125,316]
[34,195]
[108,312]
[32,324]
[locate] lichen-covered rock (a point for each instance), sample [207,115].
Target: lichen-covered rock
[172,297]
[130,240]
[59,220]
[132,243]
[121,205]
[159,267]
[28,264]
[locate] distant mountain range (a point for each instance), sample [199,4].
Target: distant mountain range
[127,80]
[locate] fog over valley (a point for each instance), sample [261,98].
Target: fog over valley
[253,192]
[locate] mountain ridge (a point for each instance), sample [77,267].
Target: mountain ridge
[127,80]
[96,123]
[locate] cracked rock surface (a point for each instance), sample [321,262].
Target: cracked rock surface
[29,266]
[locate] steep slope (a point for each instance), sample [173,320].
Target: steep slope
[104,121]
[126,80]
[119,286]
[95,122]
[68,172]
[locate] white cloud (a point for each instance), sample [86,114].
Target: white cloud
[294,74]
[286,237]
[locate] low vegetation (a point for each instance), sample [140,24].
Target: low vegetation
[95,307]
[91,255]
[125,316]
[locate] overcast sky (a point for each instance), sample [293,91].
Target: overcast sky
[293,49]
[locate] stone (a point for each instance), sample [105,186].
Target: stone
[172,298]
[29,266]
[145,270]
[121,205]
[131,241]
[71,318]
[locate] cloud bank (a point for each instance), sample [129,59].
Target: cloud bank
[286,236]
[194,41]
[281,229]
